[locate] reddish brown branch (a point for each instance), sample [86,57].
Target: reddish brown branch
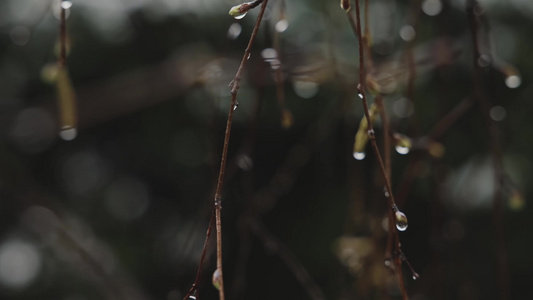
[393,234]
[235,85]
[62,36]
[193,291]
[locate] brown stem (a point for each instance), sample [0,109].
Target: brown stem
[194,288]
[235,84]
[386,133]
[62,36]
[278,78]
[392,205]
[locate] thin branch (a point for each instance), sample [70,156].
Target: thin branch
[62,36]
[235,84]
[397,252]
[193,291]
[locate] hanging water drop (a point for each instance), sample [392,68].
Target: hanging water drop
[513,81]
[388,262]
[282,25]
[359,155]
[402,150]
[234,31]
[66,4]
[68,133]
[217,279]
[235,106]
[249,55]
[360,95]
[415,276]
[240,16]
[401,220]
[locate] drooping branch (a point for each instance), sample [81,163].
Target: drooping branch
[218,279]
[394,250]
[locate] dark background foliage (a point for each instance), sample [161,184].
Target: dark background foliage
[121,211]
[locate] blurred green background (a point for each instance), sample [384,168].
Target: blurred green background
[121,211]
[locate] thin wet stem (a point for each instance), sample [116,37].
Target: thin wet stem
[62,36]
[235,85]
[393,234]
[194,288]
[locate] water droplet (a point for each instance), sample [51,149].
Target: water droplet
[359,155]
[193,296]
[497,113]
[403,108]
[20,35]
[66,4]
[483,60]
[386,193]
[402,150]
[234,31]
[240,16]
[282,25]
[68,133]
[415,276]
[359,91]
[432,7]
[235,107]
[249,55]
[275,64]
[269,53]
[401,220]
[371,132]
[388,262]
[407,33]
[513,81]
[245,162]
[217,279]
[305,89]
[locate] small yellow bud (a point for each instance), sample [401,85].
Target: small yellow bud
[361,137]
[286,118]
[239,11]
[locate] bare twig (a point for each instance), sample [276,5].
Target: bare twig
[62,36]
[194,288]
[235,84]
[397,254]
